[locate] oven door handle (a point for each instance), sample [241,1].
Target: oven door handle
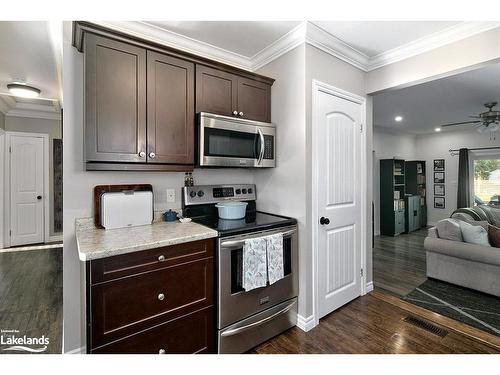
[262,146]
[235,331]
[240,242]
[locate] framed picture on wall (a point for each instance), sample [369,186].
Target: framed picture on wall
[439,177]
[438,165]
[439,202]
[439,190]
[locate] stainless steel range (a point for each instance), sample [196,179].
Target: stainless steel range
[246,319]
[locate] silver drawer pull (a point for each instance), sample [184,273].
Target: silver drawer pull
[161,296]
[162,351]
[161,258]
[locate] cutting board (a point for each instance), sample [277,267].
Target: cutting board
[118,206]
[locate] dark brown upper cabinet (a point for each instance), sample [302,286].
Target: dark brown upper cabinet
[229,94]
[115,101]
[170,103]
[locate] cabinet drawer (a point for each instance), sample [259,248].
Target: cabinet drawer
[128,305]
[189,334]
[148,260]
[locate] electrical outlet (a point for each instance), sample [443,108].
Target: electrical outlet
[170,195]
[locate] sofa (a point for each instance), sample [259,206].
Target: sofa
[469,265]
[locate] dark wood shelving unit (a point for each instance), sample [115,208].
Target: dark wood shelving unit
[392,196]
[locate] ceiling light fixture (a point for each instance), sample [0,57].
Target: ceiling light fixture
[398,118]
[437,129]
[23,90]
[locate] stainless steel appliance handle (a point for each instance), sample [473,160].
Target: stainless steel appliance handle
[261,155]
[235,331]
[237,242]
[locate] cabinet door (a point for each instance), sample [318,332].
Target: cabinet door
[216,91]
[115,101]
[254,100]
[170,103]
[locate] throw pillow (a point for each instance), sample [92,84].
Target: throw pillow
[449,229]
[474,234]
[483,224]
[494,235]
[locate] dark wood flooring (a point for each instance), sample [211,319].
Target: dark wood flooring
[31,299]
[399,262]
[369,325]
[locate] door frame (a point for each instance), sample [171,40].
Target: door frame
[46,190]
[317,87]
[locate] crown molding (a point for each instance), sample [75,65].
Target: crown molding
[9,107]
[287,42]
[4,105]
[305,32]
[427,43]
[33,114]
[144,30]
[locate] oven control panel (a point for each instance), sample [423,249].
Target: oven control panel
[206,194]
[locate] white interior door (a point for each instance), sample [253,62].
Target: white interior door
[339,200]
[26,190]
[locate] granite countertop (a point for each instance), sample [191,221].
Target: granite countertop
[96,243]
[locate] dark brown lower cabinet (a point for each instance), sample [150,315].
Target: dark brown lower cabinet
[153,301]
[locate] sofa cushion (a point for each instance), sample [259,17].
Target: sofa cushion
[463,250]
[494,235]
[449,229]
[474,234]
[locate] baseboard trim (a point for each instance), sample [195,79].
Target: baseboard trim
[80,350]
[305,324]
[369,287]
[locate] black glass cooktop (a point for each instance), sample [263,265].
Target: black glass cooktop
[253,221]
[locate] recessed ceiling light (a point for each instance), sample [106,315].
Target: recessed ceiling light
[398,118]
[24,91]
[437,129]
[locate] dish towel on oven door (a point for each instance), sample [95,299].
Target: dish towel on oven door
[254,264]
[275,266]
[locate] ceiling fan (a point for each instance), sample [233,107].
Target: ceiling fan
[487,121]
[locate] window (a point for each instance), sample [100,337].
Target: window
[487,182]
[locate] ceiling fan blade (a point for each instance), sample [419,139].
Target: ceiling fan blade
[462,123]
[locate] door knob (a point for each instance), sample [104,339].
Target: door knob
[324,220]
[241,114]
[152,155]
[142,154]
[161,296]
[162,351]
[235,113]
[39,197]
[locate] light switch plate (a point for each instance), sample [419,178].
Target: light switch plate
[170,195]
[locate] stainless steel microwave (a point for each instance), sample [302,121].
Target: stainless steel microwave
[225,141]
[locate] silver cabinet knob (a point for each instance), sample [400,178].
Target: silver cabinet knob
[235,113]
[162,351]
[241,114]
[142,154]
[161,258]
[152,155]
[161,296]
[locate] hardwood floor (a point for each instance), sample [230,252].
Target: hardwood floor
[31,295]
[399,262]
[369,325]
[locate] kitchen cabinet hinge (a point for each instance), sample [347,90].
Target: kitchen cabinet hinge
[361,272]
[361,128]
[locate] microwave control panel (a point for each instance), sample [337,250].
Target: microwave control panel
[268,147]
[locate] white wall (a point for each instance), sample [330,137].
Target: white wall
[282,190]
[440,62]
[387,145]
[435,146]
[45,126]
[78,185]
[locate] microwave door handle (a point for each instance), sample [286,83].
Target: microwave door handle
[261,154]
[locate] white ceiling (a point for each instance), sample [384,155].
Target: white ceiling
[452,99]
[245,38]
[375,37]
[27,54]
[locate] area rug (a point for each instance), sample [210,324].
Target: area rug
[474,308]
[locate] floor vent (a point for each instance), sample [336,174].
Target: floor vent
[424,324]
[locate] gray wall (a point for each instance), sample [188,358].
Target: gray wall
[2,120]
[282,189]
[78,185]
[45,126]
